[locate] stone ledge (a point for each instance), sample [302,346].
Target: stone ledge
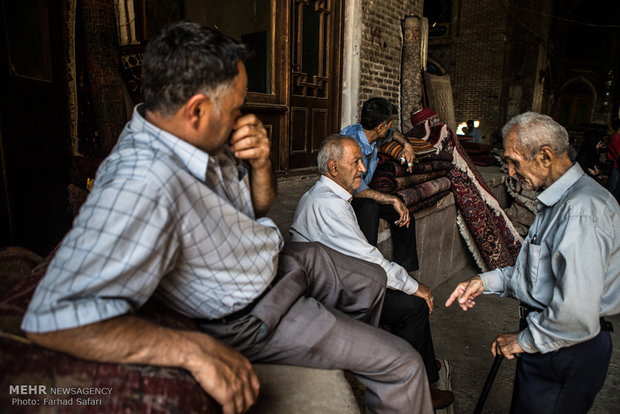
[299,390]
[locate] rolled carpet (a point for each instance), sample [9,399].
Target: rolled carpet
[417,193]
[429,202]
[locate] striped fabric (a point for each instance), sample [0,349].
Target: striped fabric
[420,147]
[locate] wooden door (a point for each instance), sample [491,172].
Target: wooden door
[296,74]
[574,111]
[575,103]
[315,79]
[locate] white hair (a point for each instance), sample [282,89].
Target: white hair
[331,149]
[535,130]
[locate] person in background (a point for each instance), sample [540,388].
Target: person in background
[588,155]
[471,131]
[567,275]
[613,154]
[370,205]
[178,211]
[325,215]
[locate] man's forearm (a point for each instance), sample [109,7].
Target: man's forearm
[263,188]
[125,339]
[379,197]
[400,138]
[221,371]
[408,153]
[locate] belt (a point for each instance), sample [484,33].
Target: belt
[237,314]
[525,310]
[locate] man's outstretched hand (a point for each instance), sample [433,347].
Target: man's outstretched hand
[466,292]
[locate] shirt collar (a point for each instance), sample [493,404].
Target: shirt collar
[336,188]
[194,159]
[555,191]
[362,140]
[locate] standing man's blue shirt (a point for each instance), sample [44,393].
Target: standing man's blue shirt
[568,266]
[369,151]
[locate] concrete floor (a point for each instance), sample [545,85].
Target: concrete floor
[464,338]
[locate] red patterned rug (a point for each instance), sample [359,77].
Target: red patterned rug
[489,234]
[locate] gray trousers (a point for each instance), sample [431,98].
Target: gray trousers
[322,312]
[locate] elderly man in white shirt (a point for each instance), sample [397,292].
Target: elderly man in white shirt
[324,214]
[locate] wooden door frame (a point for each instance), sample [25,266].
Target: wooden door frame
[277,101]
[334,74]
[275,106]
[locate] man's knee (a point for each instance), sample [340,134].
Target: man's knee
[313,256]
[365,206]
[296,249]
[406,361]
[368,213]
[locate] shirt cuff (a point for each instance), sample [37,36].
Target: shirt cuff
[493,281]
[526,341]
[410,286]
[74,315]
[267,222]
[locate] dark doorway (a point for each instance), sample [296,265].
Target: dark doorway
[33,129]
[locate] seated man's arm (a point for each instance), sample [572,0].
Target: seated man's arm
[109,265]
[408,152]
[383,198]
[249,141]
[220,370]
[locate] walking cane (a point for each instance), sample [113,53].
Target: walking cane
[489,382]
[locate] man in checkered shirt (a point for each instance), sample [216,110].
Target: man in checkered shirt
[177,212]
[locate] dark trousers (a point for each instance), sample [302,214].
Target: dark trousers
[407,317]
[562,381]
[369,212]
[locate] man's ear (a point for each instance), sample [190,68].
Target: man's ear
[197,110]
[332,167]
[546,155]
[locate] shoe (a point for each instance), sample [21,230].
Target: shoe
[441,398]
[443,369]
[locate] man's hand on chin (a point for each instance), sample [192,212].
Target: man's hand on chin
[249,141]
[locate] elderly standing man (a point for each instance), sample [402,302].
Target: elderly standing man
[325,215]
[567,275]
[178,212]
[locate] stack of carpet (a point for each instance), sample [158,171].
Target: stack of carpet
[523,209]
[419,188]
[484,225]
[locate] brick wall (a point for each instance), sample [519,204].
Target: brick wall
[479,61]
[527,57]
[381,46]
[508,56]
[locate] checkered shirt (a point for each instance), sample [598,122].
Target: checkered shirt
[163,218]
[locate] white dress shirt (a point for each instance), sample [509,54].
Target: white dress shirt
[325,215]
